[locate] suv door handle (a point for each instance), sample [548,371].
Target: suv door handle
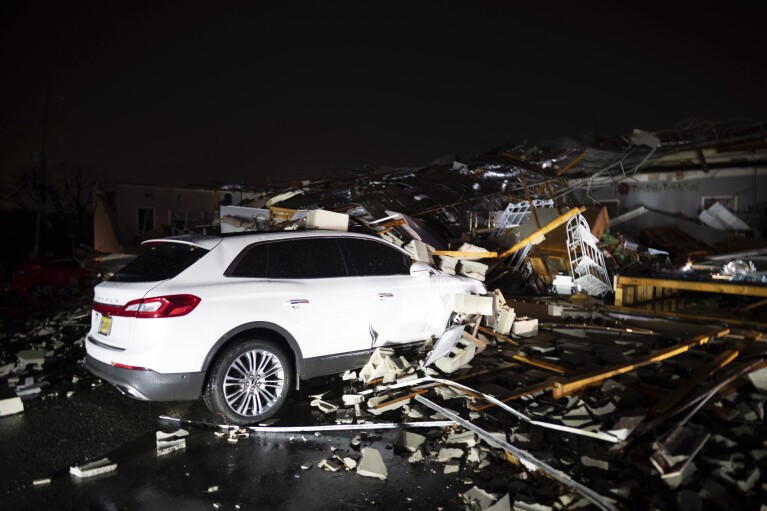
[296,302]
[385,296]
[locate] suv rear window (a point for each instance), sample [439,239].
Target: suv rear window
[159,261]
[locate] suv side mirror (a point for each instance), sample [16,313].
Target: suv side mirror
[420,269]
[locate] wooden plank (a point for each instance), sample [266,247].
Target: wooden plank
[562,389]
[498,336]
[571,164]
[466,255]
[680,315]
[542,231]
[537,362]
[755,305]
[684,285]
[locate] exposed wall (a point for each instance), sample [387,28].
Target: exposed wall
[168,205]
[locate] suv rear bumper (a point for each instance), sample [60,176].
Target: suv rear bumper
[149,385]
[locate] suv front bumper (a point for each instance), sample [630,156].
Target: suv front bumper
[148,385]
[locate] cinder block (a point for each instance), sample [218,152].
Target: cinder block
[447,264]
[169,442]
[473,304]
[321,219]
[96,468]
[525,326]
[11,406]
[26,357]
[473,270]
[420,251]
[504,321]
[461,354]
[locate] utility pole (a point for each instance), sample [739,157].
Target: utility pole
[41,193]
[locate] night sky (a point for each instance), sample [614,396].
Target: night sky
[183,92]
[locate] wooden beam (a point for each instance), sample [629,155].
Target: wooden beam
[498,336]
[562,389]
[542,231]
[755,305]
[571,164]
[688,285]
[466,255]
[537,362]
[681,315]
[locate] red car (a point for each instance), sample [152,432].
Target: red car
[44,275]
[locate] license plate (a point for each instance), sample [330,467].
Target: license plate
[105,325]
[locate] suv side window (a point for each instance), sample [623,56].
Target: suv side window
[252,263]
[307,258]
[376,258]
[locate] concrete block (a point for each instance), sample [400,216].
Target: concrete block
[461,354]
[504,320]
[11,406]
[408,441]
[329,465]
[473,304]
[95,468]
[420,251]
[525,326]
[321,219]
[473,270]
[447,264]
[372,464]
[169,442]
[26,357]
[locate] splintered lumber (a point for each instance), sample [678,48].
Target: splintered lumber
[498,336]
[571,164]
[689,285]
[465,255]
[693,381]
[562,389]
[538,362]
[542,231]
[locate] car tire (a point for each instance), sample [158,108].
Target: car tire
[249,382]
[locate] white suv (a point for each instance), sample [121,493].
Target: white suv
[240,319]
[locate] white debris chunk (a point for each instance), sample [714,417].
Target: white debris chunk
[6,369]
[324,406]
[446,454]
[525,326]
[452,467]
[350,463]
[169,442]
[416,457]
[212,489]
[330,466]
[504,320]
[41,482]
[467,437]
[321,219]
[352,399]
[349,375]
[95,468]
[758,378]
[409,441]
[480,496]
[306,466]
[473,270]
[11,406]
[420,251]
[502,505]
[372,464]
[473,304]
[380,365]
[460,355]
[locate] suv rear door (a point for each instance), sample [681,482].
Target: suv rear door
[306,288]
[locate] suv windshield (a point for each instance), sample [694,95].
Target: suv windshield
[159,261]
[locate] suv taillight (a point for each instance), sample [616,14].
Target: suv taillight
[170,306]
